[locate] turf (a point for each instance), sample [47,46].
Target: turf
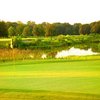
[76,77]
[45,95]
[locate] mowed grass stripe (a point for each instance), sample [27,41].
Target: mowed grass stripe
[51,74]
[39,95]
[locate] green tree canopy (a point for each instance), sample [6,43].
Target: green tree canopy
[95,27]
[3,29]
[84,29]
[11,31]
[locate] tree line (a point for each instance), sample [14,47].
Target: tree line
[9,29]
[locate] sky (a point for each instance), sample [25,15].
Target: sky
[72,11]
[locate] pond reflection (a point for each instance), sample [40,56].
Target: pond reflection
[74,52]
[44,56]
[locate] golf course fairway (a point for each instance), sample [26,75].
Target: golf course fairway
[50,80]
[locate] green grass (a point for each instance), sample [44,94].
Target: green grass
[67,80]
[44,95]
[51,65]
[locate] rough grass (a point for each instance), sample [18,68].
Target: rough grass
[18,54]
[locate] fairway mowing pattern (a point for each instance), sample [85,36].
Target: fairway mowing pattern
[77,80]
[51,74]
[40,95]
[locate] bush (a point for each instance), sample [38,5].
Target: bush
[61,37]
[17,42]
[48,43]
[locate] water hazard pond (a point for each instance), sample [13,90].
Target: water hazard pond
[71,52]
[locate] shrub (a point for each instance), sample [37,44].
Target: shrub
[17,42]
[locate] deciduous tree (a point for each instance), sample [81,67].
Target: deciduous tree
[3,29]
